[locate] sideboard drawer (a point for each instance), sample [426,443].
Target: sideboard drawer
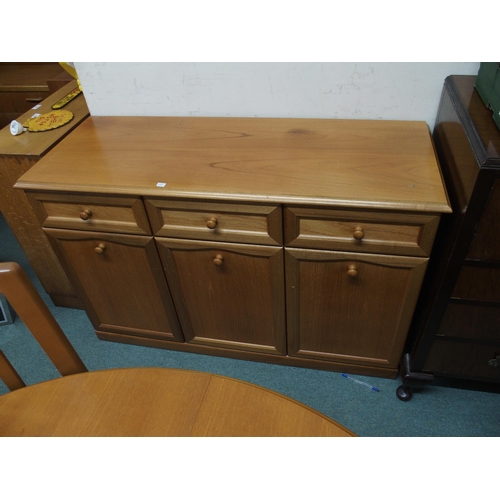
[91,213]
[360,231]
[260,224]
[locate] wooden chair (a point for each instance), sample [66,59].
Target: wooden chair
[29,306]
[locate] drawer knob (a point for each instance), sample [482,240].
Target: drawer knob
[218,260]
[358,234]
[85,214]
[212,223]
[352,271]
[100,248]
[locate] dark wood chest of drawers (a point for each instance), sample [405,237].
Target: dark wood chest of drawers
[456,329]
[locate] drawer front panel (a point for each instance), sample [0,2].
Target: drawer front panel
[260,224]
[20,102]
[91,213]
[471,322]
[478,283]
[464,359]
[375,232]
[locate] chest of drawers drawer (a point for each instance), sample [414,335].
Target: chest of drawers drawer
[360,231]
[478,283]
[20,102]
[112,214]
[465,360]
[259,224]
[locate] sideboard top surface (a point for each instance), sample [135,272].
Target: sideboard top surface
[362,163]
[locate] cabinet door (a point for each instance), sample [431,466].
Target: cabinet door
[227,295]
[121,281]
[350,307]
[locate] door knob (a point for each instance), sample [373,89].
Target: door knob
[352,271]
[100,248]
[218,260]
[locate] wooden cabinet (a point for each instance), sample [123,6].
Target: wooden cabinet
[120,297]
[456,329]
[347,265]
[118,274]
[336,305]
[300,242]
[24,85]
[18,154]
[227,282]
[228,295]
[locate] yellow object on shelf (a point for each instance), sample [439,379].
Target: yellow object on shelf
[67,98]
[48,121]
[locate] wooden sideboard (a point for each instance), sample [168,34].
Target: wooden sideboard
[456,329]
[293,241]
[23,85]
[17,155]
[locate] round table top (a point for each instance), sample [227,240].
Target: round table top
[157,402]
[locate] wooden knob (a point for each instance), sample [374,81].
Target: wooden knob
[358,233]
[212,223]
[85,214]
[100,248]
[352,271]
[218,260]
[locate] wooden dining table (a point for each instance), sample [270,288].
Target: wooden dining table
[157,402]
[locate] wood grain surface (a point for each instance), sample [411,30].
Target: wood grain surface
[362,163]
[157,402]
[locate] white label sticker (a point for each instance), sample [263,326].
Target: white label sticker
[161,184]
[36,115]
[37,106]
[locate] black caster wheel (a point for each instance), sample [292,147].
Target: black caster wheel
[404,393]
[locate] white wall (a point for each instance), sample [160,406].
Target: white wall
[391,91]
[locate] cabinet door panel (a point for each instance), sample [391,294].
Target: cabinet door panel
[123,286]
[237,303]
[350,307]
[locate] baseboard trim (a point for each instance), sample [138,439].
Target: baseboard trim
[249,356]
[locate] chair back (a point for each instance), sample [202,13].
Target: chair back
[29,306]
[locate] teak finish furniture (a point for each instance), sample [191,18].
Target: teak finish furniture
[23,85]
[158,402]
[456,331]
[17,155]
[293,241]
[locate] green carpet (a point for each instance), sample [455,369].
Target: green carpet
[434,411]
